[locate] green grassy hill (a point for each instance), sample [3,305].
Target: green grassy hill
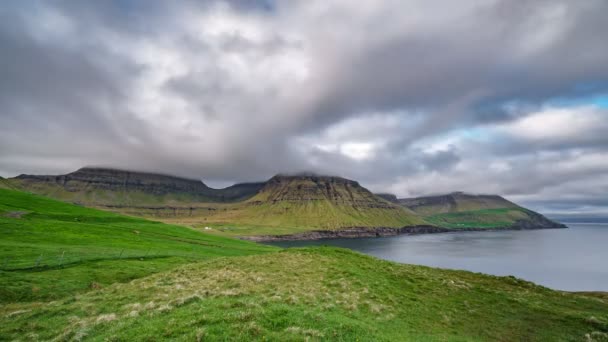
[282,205]
[94,186]
[5,184]
[290,204]
[460,210]
[44,239]
[74,273]
[313,294]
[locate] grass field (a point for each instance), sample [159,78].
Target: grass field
[197,287]
[44,239]
[282,218]
[313,294]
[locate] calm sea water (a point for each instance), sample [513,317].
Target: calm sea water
[574,259]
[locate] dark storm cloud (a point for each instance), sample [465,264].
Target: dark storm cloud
[411,97]
[50,92]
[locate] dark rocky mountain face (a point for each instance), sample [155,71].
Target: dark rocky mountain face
[389,197]
[118,180]
[238,192]
[90,179]
[302,188]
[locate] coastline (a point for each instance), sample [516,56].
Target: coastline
[370,232]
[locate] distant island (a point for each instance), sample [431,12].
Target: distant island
[300,206]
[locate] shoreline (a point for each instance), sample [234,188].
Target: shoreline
[369,232]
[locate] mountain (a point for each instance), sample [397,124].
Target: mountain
[103,186]
[318,202]
[458,209]
[5,184]
[389,197]
[283,205]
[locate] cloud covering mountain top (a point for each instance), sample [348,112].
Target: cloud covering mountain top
[410,97]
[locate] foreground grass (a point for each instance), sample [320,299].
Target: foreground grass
[50,249]
[313,294]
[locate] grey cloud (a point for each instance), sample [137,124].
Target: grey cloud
[253,89]
[481,58]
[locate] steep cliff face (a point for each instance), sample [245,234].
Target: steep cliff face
[320,202]
[389,197]
[455,202]
[461,210]
[335,190]
[119,180]
[102,186]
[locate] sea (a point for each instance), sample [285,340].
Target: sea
[572,259]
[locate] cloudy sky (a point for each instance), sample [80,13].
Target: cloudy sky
[410,97]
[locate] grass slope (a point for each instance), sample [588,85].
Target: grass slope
[95,196]
[461,210]
[291,204]
[455,202]
[5,184]
[95,186]
[313,294]
[50,248]
[291,217]
[484,218]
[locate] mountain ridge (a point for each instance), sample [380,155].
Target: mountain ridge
[107,180]
[321,202]
[460,209]
[284,204]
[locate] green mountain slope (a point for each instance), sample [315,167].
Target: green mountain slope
[102,186]
[44,238]
[283,205]
[313,294]
[288,204]
[5,184]
[459,210]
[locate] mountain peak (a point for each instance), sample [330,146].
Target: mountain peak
[312,177]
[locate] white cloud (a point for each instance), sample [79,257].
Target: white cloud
[559,124]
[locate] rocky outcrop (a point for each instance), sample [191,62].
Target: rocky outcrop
[389,197]
[354,232]
[303,188]
[366,232]
[121,181]
[536,221]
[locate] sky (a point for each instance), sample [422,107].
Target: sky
[411,97]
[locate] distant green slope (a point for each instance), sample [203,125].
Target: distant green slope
[460,210]
[41,235]
[94,186]
[5,184]
[313,294]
